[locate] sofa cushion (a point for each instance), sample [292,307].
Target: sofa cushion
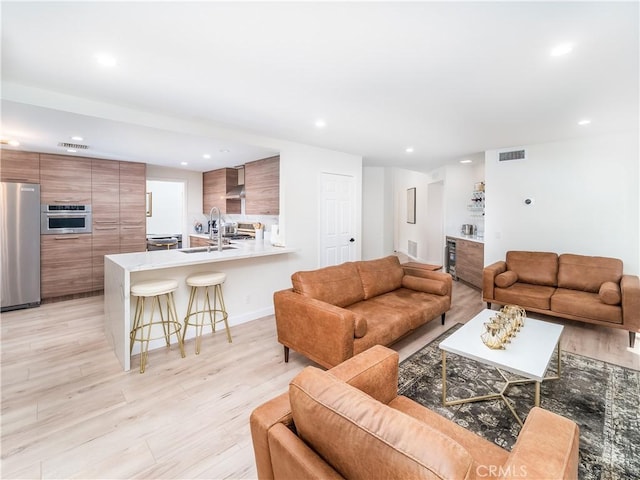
[585,305]
[581,272]
[426,285]
[380,276]
[506,279]
[610,294]
[525,295]
[338,285]
[537,268]
[375,441]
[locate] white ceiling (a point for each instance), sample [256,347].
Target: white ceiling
[449,79]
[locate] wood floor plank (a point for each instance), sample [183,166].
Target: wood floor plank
[69,411]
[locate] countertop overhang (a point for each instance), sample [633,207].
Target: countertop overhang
[153,260]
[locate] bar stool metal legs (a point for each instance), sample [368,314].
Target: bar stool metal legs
[143,330]
[204,286]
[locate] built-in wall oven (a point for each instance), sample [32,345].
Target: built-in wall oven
[59,219]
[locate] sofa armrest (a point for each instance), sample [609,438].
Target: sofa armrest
[374,371]
[547,447]
[489,274]
[276,410]
[630,289]
[321,331]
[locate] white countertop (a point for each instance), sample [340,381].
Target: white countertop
[157,259]
[472,238]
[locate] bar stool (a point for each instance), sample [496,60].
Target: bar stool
[196,315]
[142,329]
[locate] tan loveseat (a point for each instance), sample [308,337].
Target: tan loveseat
[577,287]
[349,422]
[335,312]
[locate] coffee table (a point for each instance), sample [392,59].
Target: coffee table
[527,356]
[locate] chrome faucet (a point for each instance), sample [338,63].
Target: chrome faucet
[217,210]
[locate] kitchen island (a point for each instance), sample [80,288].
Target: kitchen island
[254,270]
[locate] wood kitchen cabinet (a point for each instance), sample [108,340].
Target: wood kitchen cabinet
[65,179]
[262,186]
[133,217]
[215,185]
[469,261]
[21,167]
[105,204]
[66,267]
[197,241]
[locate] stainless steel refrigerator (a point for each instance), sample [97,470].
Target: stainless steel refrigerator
[20,243]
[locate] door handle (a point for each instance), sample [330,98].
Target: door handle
[352,240]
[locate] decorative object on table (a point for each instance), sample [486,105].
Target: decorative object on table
[600,397]
[503,326]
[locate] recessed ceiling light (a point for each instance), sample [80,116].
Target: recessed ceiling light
[184,164]
[72,150]
[206,156]
[77,138]
[466,160]
[409,149]
[586,121]
[320,123]
[562,49]
[106,60]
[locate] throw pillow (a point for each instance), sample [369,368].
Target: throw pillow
[426,285]
[360,326]
[610,293]
[506,279]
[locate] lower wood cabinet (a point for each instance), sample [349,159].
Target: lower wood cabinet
[106,241]
[66,266]
[469,261]
[197,241]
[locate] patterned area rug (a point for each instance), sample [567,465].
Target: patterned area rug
[603,399]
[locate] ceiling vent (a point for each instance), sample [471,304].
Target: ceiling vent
[512,155]
[76,146]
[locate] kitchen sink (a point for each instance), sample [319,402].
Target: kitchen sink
[205,249]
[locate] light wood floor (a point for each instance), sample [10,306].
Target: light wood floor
[69,411]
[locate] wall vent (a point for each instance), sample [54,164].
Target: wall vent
[77,146]
[512,155]
[412,249]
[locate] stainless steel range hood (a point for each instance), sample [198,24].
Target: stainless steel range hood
[235,192]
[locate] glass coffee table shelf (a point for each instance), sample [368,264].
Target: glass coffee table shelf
[527,356]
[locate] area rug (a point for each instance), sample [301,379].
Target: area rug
[602,398]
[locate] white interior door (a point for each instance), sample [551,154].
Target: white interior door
[337,216]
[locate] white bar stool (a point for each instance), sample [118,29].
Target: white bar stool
[196,315]
[142,329]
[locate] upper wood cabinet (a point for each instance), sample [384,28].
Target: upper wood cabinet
[262,186]
[215,185]
[133,216]
[17,166]
[65,179]
[105,192]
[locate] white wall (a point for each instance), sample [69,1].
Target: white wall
[377,212]
[586,200]
[193,194]
[167,206]
[405,232]
[301,168]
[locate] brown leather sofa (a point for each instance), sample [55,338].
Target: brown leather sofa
[335,312]
[349,422]
[577,287]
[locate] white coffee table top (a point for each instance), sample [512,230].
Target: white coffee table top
[528,354]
